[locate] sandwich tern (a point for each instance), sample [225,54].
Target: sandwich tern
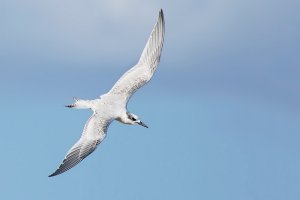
[113,105]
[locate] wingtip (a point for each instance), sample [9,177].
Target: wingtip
[51,175]
[161,17]
[161,12]
[55,173]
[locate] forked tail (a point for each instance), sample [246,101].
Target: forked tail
[80,104]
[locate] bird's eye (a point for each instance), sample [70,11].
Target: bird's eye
[131,117]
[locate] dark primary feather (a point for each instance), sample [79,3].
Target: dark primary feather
[143,71]
[94,132]
[78,153]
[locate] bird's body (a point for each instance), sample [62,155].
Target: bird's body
[113,105]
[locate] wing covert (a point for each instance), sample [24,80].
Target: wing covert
[143,71]
[93,134]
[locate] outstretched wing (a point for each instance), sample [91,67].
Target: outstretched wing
[143,71]
[94,132]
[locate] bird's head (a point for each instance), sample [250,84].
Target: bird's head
[134,119]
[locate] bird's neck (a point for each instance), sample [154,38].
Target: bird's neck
[124,119]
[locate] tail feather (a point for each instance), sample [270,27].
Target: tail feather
[80,104]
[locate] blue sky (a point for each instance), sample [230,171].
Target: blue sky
[223,107]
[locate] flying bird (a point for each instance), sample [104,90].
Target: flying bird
[113,105]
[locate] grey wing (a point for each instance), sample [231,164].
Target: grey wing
[143,71]
[94,132]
